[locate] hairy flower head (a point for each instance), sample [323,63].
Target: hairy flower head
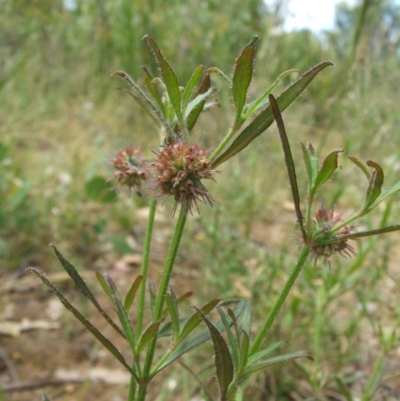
[130,168]
[178,171]
[326,239]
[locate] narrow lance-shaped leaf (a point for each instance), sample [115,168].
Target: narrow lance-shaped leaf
[121,311]
[152,86]
[204,87]
[85,290]
[223,359]
[146,99]
[361,166]
[197,339]
[289,163]
[243,354]
[329,166]
[385,193]
[234,344]
[174,314]
[311,163]
[242,75]
[169,77]
[375,184]
[279,359]
[190,86]
[265,118]
[195,319]
[148,334]
[131,294]
[92,329]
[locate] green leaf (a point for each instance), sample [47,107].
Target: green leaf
[102,281]
[131,294]
[169,77]
[243,354]
[262,101]
[244,320]
[198,102]
[101,190]
[174,314]
[148,334]
[311,163]
[361,166]
[204,87]
[190,86]
[232,340]
[121,311]
[152,295]
[46,397]
[273,361]
[223,359]
[195,319]
[265,118]
[197,339]
[155,86]
[375,184]
[84,289]
[329,166]
[264,352]
[145,99]
[92,329]
[242,75]
[385,193]
[289,163]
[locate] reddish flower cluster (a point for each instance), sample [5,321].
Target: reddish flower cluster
[178,171]
[130,169]
[326,241]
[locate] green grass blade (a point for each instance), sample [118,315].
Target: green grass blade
[265,118]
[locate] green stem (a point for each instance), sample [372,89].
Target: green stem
[304,253]
[159,306]
[223,143]
[144,269]
[132,389]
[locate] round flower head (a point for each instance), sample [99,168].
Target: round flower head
[130,169]
[326,240]
[178,170]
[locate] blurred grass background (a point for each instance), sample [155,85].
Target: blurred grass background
[62,119]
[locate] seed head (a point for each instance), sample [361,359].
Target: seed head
[178,170]
[130,168]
